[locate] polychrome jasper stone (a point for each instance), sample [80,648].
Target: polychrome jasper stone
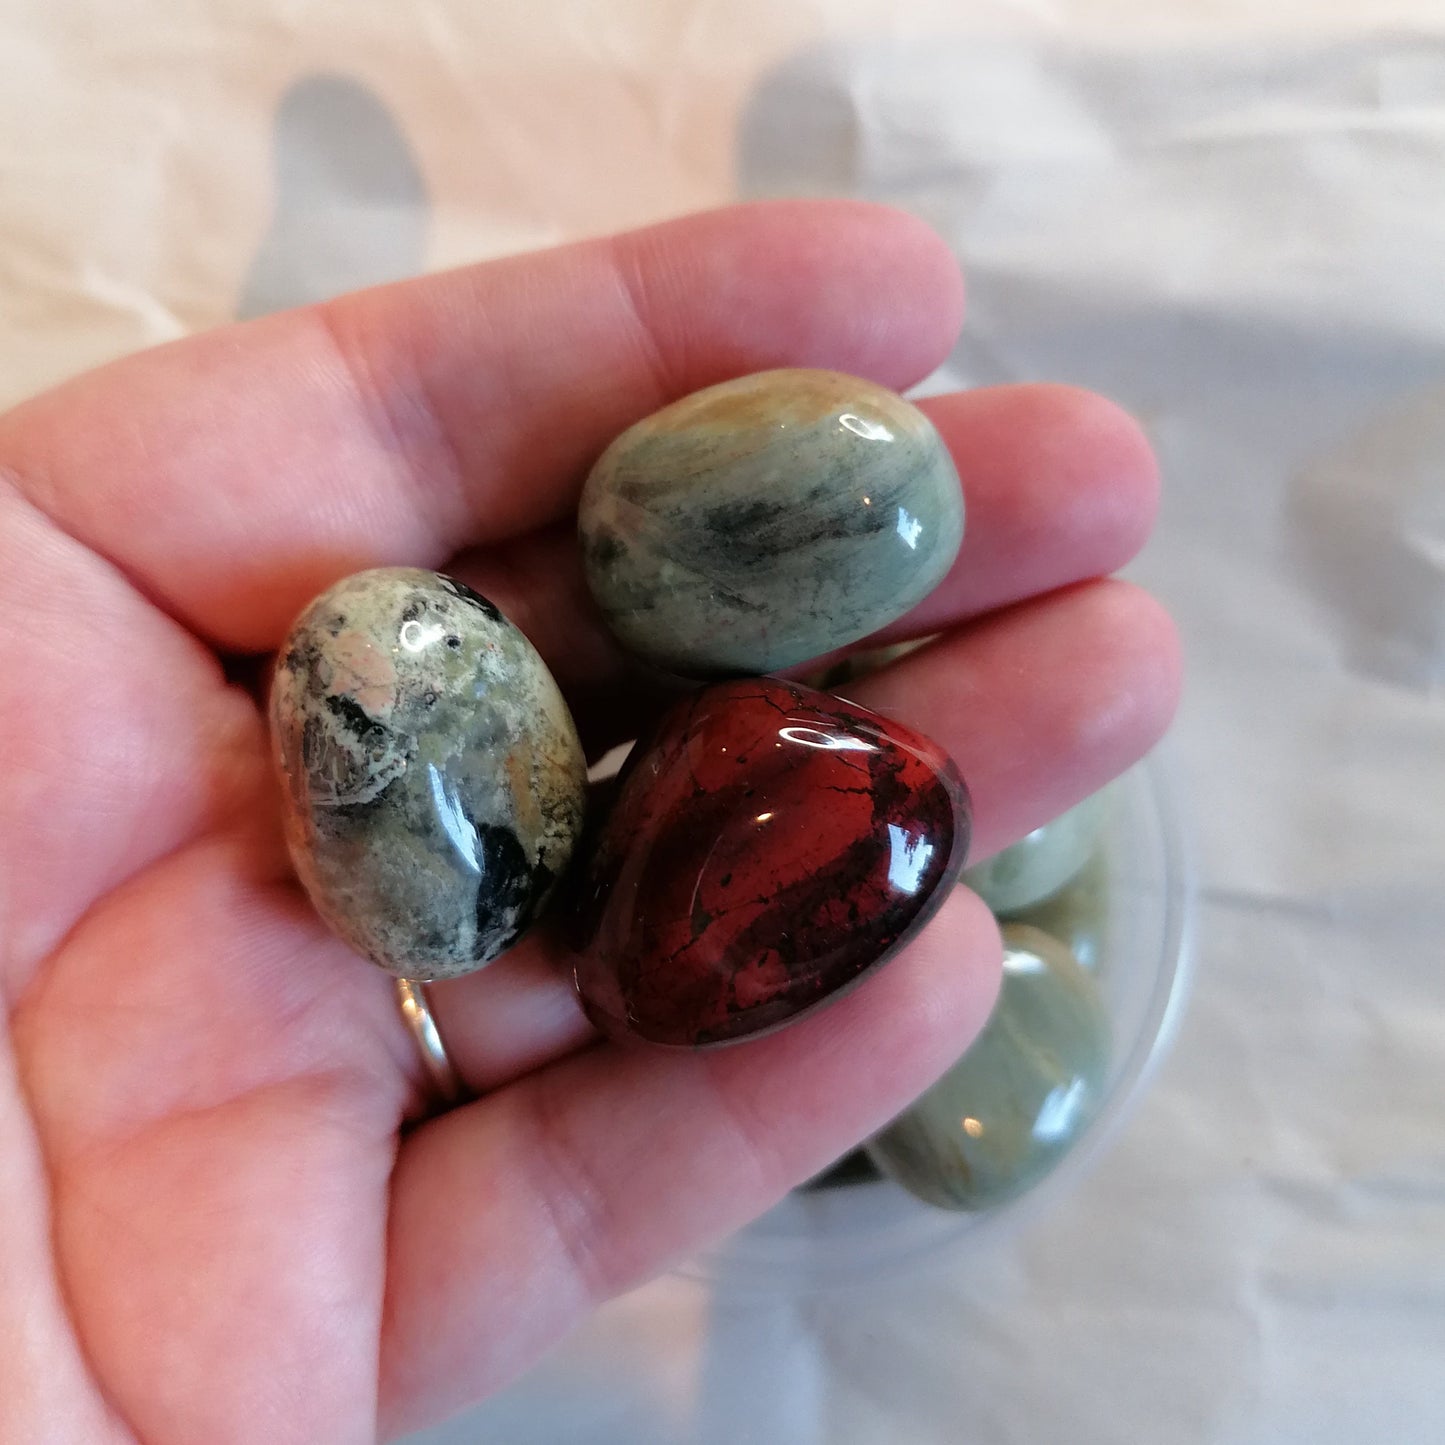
[1014,1104]
[434,782]
[768,520]
[768,847]
[1043,861]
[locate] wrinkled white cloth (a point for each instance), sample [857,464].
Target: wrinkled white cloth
[1230,218]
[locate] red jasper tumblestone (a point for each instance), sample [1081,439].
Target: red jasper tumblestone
[769,846]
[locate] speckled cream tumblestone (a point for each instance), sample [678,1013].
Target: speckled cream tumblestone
[434,783]
[768,520]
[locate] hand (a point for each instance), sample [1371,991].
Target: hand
[219,1224]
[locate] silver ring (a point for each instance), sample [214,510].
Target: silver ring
[416,1010]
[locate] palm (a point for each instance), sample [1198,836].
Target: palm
[220,1222]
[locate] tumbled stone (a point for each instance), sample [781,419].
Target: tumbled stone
[768,847]
[1014,1104]
[434,781]
[768,520]
[1043,861]
[1078,914]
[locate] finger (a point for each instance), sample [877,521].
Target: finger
[511,1017]
[1060,486]
[1042,704]
[511,1218]
[1039,706]
[232,475]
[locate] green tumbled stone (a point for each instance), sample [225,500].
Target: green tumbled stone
[768,520]
[434,782]
[1014,1104]
[1041,862]
[1078,914]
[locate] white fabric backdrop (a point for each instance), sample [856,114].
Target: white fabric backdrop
[1229,217]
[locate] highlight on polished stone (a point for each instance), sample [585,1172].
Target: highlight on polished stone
[768,520]
[434,783]
[768,847]
[1014,1105]
[1041,862]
